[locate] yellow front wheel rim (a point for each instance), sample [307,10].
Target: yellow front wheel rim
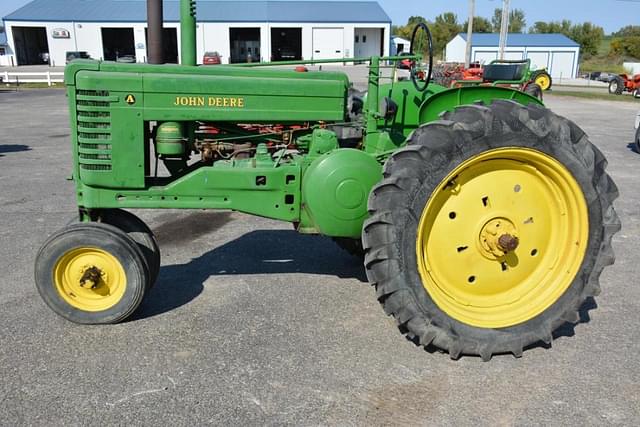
[502,237]
[90,279]
[543,81]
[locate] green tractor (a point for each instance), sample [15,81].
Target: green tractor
[500,72]
[484,219]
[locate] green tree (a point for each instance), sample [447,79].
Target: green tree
[444,28]
[628,31]
[405,31]
[625,46]
[480,25]
[588,36]
[562,27]
[517,22]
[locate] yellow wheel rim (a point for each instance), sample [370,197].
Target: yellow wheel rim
[90,279]
[502,237]
[543,81]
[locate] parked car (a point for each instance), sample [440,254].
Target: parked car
[126,58]
[71,55]
[287,54]
[605,77]
[636,139]
[211,58]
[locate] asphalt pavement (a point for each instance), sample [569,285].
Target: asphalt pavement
[253,324]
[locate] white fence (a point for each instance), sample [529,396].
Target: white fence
[49,77]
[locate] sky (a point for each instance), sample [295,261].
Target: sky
[609,14]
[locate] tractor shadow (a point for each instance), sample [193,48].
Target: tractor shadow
[258,252]
[12,148]
[632,147]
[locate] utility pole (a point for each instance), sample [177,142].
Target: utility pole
[467,54]
[504,27]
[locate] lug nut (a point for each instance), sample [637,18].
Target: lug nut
[507,242]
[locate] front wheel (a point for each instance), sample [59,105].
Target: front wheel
[490,229]
[140,233]
[91,273]
[543,79]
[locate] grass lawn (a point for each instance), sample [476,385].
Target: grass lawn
[593,95]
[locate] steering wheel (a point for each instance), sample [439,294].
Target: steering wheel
[414,69]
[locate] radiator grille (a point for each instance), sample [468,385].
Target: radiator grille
[94,129]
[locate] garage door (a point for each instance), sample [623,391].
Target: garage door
[513,56]
[562,64]
[327,43]
[538,59]
[484,57]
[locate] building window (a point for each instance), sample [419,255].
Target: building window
[364,39]
[357,38]
[1,51]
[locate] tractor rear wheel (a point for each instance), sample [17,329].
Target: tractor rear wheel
[542,79]
[534,90]
[91,273]
[490,229]
[616,86]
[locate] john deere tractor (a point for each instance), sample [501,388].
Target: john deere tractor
[484,219]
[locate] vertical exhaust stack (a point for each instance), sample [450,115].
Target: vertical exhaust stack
[188,32]
[155,51]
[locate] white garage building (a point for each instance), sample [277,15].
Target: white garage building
[239,31]
[5,58]
[556,52]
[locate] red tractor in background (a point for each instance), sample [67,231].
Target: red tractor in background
[625,83]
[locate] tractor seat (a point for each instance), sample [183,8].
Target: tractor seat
[495,72]
[355,103]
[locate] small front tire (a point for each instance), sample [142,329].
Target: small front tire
[137,230]
[91,273]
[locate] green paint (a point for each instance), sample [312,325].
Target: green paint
[307,175]
[188,32]
[170,139]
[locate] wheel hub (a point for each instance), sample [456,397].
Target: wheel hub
[91,276]
[497,237]
[90,279]
[502,237]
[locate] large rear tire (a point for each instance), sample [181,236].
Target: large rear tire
[616,86]
[433,247]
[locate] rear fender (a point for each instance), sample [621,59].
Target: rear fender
[448,100]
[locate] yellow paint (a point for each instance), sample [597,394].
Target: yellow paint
[543,81]
[211,101]
[519,191]
[108,291]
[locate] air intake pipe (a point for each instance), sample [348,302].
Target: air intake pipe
[188,32]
